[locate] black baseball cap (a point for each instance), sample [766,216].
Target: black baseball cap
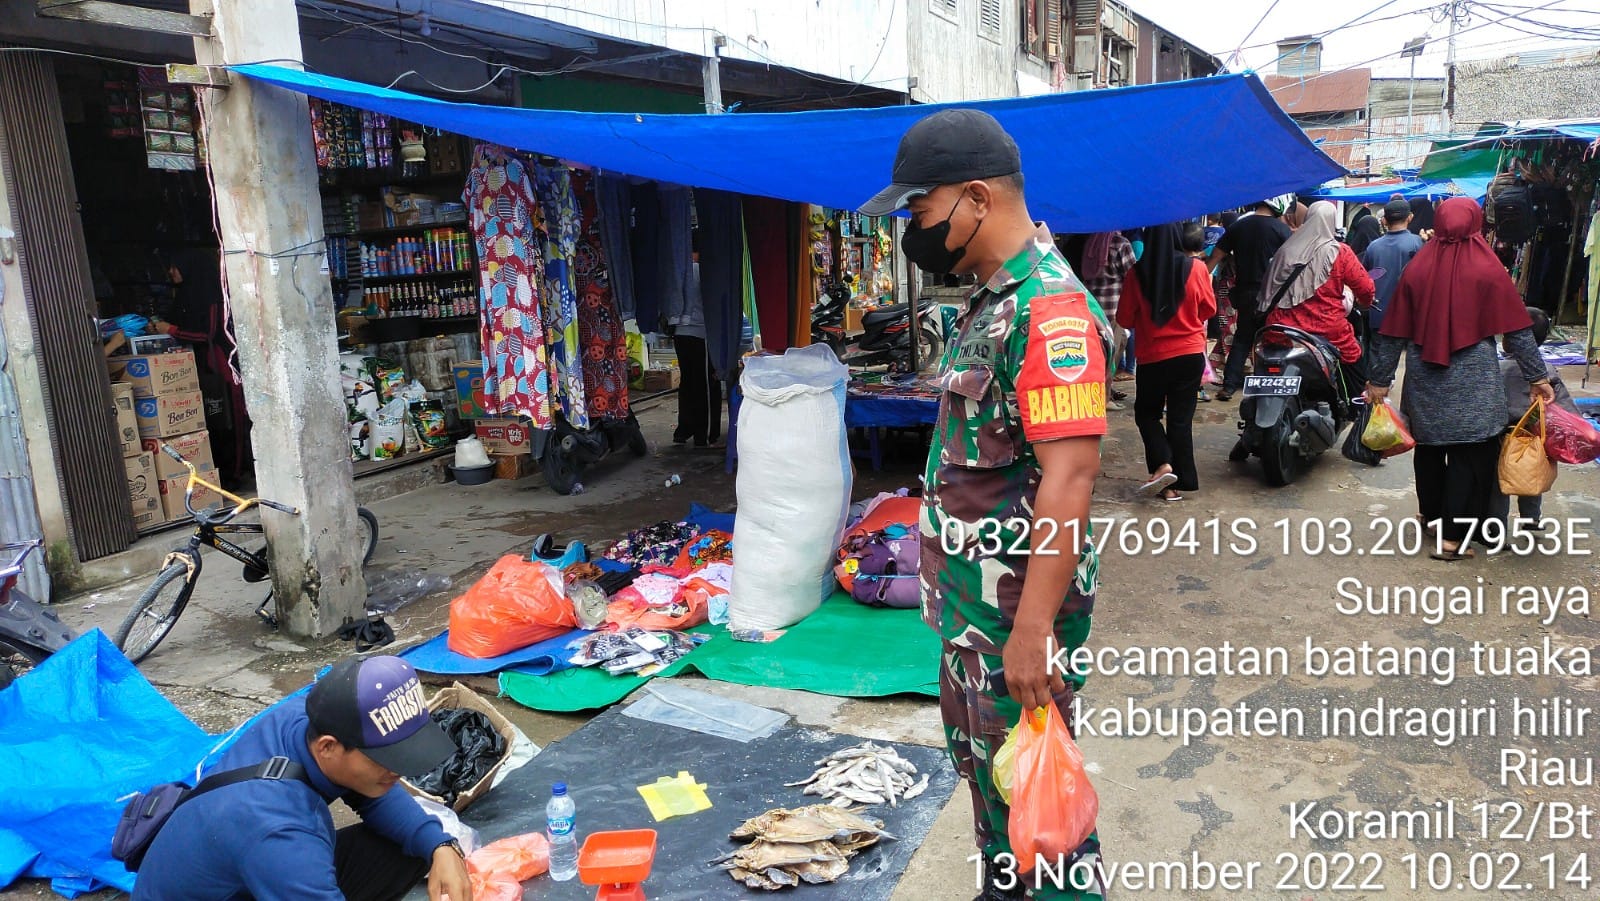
[1396,210]
[377,705]
[948,147]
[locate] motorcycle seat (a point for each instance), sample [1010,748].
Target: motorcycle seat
[884,314]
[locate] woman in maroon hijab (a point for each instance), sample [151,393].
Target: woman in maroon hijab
[1452,300]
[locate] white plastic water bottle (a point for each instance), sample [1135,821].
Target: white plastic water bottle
[560,818]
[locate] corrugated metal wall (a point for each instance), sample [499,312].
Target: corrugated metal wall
[59,294]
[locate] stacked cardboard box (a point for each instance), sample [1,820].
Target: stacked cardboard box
[167,408]
[507,441]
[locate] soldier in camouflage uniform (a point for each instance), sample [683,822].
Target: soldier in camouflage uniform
[1008,572]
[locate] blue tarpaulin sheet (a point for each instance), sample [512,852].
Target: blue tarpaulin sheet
[1093,160]
[80,731]
[435,656]
[1411,189]
[888,411]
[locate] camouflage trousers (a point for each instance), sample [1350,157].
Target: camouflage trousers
[976,722]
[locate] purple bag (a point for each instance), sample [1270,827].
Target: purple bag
[886,571]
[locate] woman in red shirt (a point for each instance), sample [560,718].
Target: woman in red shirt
[1166,304]
[1309,276]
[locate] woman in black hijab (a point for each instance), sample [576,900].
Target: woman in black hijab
[1166,304]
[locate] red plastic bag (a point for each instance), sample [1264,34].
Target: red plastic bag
[515,604]
[1053,806]
[520,857]
[1569,438]
[493,887]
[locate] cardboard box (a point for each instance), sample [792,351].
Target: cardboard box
[852,319]
[147,513]
[194,446]
[504,436]
[661,379]
[156,375]
[172,495]
[148,345]
[127,422]
[514,466]
[142,477]
[469,389]
[170,414]
[460,696]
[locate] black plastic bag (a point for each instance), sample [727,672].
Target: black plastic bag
[1353,449]
[479,746]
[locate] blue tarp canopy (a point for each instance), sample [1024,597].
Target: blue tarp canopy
[1410,189]
[1093,160]
[80,731]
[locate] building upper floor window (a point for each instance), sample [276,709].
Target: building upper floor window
[949,9]
[989,19]
[1041,28]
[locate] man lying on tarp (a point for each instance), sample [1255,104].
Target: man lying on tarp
[359,727]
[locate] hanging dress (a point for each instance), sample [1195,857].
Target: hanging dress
[560,245]
[600,332]
[504,211]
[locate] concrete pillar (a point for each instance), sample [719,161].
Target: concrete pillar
[270,214]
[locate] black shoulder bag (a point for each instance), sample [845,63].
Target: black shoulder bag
[149,810]
[1282,290]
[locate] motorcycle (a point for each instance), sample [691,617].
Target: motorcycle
[29,631]
[886,336]
[569,450]
[1294,406]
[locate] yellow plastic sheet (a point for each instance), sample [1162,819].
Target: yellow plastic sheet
[675,796]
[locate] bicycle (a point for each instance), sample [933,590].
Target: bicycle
[157,610]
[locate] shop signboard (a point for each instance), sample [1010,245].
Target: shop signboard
[505,436]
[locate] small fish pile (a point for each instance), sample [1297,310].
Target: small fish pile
[789,846]
[865,774]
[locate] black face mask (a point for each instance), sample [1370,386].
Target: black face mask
[925,246]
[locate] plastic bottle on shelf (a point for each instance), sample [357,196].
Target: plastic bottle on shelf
[560,816]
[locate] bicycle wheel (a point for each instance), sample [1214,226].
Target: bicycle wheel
[156,611]
[367,531]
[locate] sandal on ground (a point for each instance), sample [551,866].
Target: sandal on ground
[1451,556]
[1224,395]
[1158,483]
[1122,377]
[1205,398]
[1171,495]
[1118,395]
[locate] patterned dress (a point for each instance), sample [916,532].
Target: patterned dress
[600,333]
[561,225]
[500,197]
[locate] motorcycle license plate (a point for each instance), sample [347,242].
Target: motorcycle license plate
[1271,385]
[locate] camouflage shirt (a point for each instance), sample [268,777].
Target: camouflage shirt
[1027,364]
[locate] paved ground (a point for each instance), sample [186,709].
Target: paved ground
[1216,799]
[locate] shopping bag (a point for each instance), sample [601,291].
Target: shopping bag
[1055,806]
[1525,469]
[1384,430]
[1404,428]
[519,857]
[517,603]
[1353,449]
[1568,437]
[1004,770]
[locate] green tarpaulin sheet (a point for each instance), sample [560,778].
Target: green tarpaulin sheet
[845,649]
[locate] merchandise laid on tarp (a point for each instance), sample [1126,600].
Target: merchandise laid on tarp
[570,630]
[726,797]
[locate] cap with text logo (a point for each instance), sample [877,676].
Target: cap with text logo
[377,706]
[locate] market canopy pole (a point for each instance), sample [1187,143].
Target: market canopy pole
[269,218]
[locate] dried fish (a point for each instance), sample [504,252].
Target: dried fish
[868,773]
[919,788]
[793,845]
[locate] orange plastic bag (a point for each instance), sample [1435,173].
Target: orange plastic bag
[516,603]
[493,887]
[1053,805]
[520,857]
